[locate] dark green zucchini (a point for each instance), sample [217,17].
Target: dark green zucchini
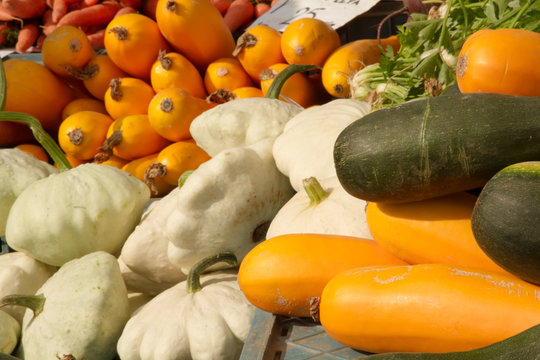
[523,346]
[506,220]
[436,146]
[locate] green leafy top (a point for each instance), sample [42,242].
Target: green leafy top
[430,43]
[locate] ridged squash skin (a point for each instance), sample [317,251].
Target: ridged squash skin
[436,146]
[505,219]
[426,308]
[70,214]
[283,274]
[434,230]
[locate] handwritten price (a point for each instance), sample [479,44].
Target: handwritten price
[335,12]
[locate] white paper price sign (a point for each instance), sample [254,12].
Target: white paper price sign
[335,12]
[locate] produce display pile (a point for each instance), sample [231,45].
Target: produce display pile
[160,184]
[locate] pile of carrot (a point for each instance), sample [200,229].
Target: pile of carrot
[24,24]
[239,14]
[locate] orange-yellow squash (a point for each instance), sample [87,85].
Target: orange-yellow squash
[98,73]
[309,41]
[174,70]
[225,73]
[258,48]
[172,110]
[133,42]
[299,88]
[426,308]
[137,168]
[33,89]
[196,29]
[435,230]
[283,274]
[82,133]
[128,96]
[350,57]
[66,50]
[503,61]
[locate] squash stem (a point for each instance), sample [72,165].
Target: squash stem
[283,76]
[33,302]
[314,190]
[45,140]
[194,277]
[182,179]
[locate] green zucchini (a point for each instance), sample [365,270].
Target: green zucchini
[506,220]
[523,346]
[435,146]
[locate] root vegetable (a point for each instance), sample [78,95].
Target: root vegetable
[98,14]
[238,14]
[27,37]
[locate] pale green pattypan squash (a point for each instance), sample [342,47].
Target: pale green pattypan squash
[18,169]
[322,208]
[244,122]
[145,251]
[203,318]
[80,311]
[240,122]
[67,215]
[226,204]
[10,332]
[21,274]
[306,146]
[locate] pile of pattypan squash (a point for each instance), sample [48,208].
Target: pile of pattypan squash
[102,271]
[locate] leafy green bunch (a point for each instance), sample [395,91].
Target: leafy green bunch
[430,44]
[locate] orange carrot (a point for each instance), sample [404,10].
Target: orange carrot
[47,24]
[98,14]
[60,8]
[25,9]
[96,38]
[6,15]
[240,12]
[126,10]
[136,4]
[222,5]
[27,36]
[149,8]
[273,2]
[261,8]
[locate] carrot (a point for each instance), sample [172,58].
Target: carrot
[273,2]
[261,8]
[136,4]
[25,9]
[27,36]
[60,8]
[99,14]
[6,15]
[239,13]
[47,24]
[222,5]
[96,38]
[39,41]
[149,8]
[126,10]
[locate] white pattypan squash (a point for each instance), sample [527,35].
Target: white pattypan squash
[206,318]
[145,250]
[21,274]
[226,204]
[241,122]
[67,215]
[18,169]
[322,208]
[10,332]
[306,146]
[80,311]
